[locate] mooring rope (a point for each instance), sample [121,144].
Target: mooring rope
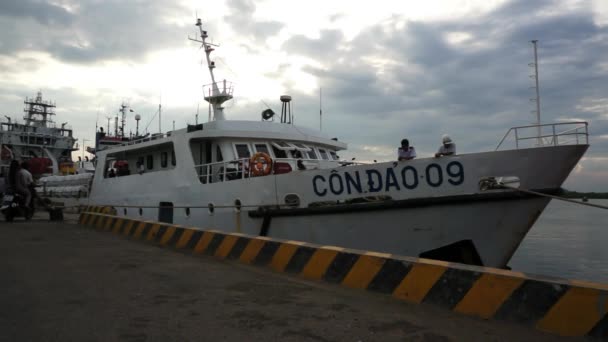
[552,196]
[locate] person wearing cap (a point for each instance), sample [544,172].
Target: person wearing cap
[406,152]
[448,148]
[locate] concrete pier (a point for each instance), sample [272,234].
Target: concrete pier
[61,282]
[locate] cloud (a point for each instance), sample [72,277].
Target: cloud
[241,20]
[91,31]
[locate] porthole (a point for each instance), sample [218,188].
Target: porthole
[211,208]
[187,212]
[237,205]
[141,211]
[292,200]
[124,211]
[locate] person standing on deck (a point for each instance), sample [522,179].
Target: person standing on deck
[406,152]
[448,148]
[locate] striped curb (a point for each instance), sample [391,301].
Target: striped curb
[558,306]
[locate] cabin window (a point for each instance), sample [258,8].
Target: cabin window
[296,154]
[301,147]
[323,154]
[262,148]
[163,159]
[149,162]
[218,154]
[279,153]
[281,144]
[333,154]
[173,161]
[242,151]
[311,154]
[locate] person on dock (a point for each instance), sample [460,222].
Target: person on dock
[406,152]
[448,148]
[25,183]
[140,167]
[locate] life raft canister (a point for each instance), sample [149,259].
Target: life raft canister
[260,164]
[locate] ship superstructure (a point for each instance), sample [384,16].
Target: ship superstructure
[38,139]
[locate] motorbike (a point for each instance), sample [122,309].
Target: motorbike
[13,205]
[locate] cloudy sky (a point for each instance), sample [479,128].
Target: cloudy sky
[415,69]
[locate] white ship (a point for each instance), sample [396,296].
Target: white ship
[279,180]
[48,148]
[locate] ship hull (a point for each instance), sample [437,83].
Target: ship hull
[372,207]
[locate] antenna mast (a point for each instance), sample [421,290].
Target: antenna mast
[123,118]
[320,110]
[537,88]
[196,117]
[38,112]
[216,93]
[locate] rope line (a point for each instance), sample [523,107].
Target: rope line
[553,196]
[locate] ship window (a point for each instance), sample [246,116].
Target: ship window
[218,154]
[281,144]
[242,151]
[323,154]
[279,153]
[301,147]
[333,154]
[149,162]
[262,148]
[163,159]
[173,157]
[296,154]
[311,154]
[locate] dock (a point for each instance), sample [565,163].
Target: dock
[63,281]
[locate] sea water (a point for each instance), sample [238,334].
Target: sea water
[568,241]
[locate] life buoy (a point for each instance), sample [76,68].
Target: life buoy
[260,164]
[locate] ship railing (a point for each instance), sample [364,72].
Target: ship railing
[223,171]
[152,137]
[239,168]
[222,88]
[555,134]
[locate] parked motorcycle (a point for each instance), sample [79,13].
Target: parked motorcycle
[13,206]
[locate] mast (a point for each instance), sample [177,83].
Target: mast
[38,112]
[320,110]
[540,142]
[215,93]
[123,118]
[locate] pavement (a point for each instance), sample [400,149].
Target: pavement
[62,282]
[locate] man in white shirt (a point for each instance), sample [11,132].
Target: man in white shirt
[406,152]
[448,148]
[25,182]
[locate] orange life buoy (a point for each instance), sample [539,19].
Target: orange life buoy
[260,164]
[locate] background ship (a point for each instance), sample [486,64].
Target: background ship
[38,140]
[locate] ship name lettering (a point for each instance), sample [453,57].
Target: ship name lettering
[389,179]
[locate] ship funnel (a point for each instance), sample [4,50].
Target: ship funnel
[286,116]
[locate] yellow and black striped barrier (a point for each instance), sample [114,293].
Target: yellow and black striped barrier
[564,307]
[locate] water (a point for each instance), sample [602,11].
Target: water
[568,241]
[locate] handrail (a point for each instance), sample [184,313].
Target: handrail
[553,137]
[239,168]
